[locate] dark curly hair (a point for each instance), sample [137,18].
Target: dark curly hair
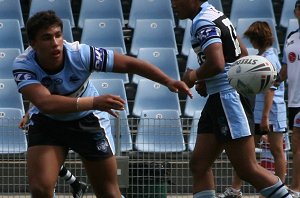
[41,20]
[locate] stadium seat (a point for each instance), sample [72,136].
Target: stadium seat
[164,58]
[7,56]
[150,9]
[125,134]
[252,51]
[11,9]
[13,139]
[10,34]
[193,130]
[95,9]
[153,33]
[67,30]
[111,86]
[192,60]
[152,95]
[9,95]
[244,23]
[61,7]
[103,33]
[194,104]
[186,42]
[160,131]
[287,12]
[251,9]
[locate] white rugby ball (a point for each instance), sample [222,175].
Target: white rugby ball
[252,74]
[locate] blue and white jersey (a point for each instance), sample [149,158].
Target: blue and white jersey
[72,80]
[212,26]
[278,110]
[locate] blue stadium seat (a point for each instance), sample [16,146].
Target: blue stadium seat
[111,86]
[287,12]
[251,9]
[13,139]
[103,33]
[150,9]
[244,23]
[193,130]
[192,60]
[95,9]
[186,42]
[164,58]
[153,33]
[152,95]
[67,30]
[11,9]
[125,133]
[9,95]
[61,7]
[252,51]
[7,56]
[10,34]
[194,104]
[160,131]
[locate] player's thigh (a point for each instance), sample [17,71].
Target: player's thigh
[102,173]
[241,153]
[43,164]
[207,149]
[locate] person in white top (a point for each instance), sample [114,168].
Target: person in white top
[291,72]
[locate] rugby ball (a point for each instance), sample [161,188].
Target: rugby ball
[252,74]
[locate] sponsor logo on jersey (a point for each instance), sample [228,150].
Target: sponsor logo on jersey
[74,78]
[297,121]
[99,57]
[207,33]
[292,57]
[47,81]
[20,76]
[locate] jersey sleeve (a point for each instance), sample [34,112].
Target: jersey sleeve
[23,73]
[206,33]
[98,59]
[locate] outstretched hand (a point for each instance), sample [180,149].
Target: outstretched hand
[109,103]
[201,88]
[179,86]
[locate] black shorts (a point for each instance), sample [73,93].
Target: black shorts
[85,136]
[292,111]
[214,119]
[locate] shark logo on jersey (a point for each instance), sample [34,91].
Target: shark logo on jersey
[99,58]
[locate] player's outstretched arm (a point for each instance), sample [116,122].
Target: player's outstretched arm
[127,64]
[49,103]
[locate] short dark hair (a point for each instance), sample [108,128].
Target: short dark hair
[297,3]
[41,20]
[261,33]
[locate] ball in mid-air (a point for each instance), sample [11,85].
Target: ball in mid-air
[252,74]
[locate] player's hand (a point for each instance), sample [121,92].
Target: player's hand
[264,125]
[108,103]
[186,78]
[179,86]
[201,88]
[23,121]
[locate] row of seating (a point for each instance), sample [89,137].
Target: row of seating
[157,131]
[141,9]
[149,95]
